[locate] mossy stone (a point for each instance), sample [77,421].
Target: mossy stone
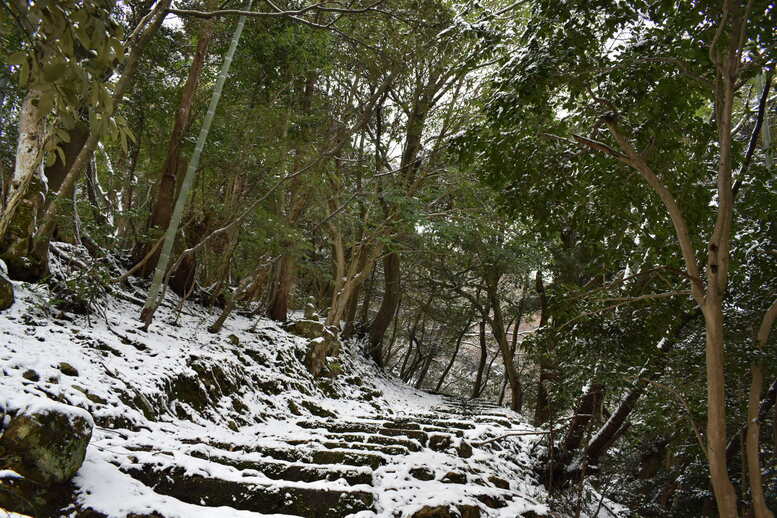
[67,369]
[306,328]
[31,375]
[47,445]
[6,292]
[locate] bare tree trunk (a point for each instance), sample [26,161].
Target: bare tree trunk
[448,367]
[18,221]
[542,408]
[278,309]
[491,279]
[753,418]
[388,306]
[477,387]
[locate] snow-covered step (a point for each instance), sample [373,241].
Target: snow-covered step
[430,420]
[319,499]
[296,471]
[364,427]
[392,450]
[308,452]
[369,438]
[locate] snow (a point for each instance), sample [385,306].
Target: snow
[107,490]
[9,474]
[126,381]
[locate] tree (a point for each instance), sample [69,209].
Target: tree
[616,72]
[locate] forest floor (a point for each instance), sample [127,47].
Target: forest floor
[192,424]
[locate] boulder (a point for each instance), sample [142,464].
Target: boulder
[46,441]
[315,359]
[454,477]
[310,310]
[464,449]
[67,369]
[422,473]
[306,328]
[440,441]
[326,344]
[444,511]
[6,289]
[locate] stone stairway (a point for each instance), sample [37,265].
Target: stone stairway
[354,467]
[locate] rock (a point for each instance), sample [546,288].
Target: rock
[67,369]
[315,359]
[94,398]
[317,410]
[499,482]
[31,375]
[464,449]
[328,344]
[233,339]
[439,442]
[444,511]
[422,473]
[46,442]
[440,511]
[6,289]
[309,329]
[310,310]
[454,477]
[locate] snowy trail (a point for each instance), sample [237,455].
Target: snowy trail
[191,424]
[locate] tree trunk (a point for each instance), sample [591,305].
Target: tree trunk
[167,188]
[725,495]
[753,418]
[542,409]
[18,221]
[153,301]
[388,307]
[39,254]
[477,387]
[278,308]
[448,367]
[499,331]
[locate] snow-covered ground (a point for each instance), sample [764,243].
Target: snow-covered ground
[239,410]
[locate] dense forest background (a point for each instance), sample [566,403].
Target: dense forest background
[565,207]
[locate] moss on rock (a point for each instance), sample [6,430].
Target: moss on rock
[47,444]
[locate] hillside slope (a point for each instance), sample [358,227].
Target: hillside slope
[192,424]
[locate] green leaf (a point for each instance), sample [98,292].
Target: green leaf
[24,74]
[61,154]
[45,103]
[18,58]
[54,71]
[123,141]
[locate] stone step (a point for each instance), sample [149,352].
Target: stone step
[364,427]
[430,420]
[382,448]
[307,453]
[295,472]
[294,499]
[348,457]
[369,438]
[444,421]
[468,413]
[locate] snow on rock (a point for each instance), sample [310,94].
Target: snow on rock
[44,440]
[194,424]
